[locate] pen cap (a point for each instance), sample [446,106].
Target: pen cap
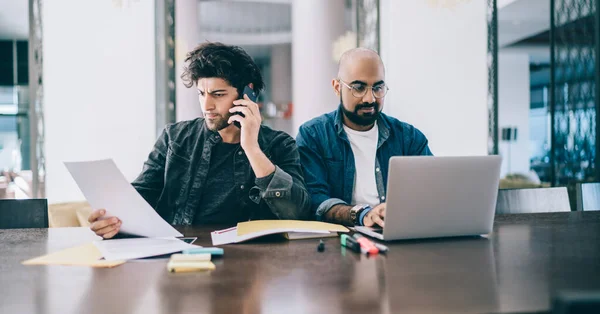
[344,239]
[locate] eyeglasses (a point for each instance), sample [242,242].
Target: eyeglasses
[360,90]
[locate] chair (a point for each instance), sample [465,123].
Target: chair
[70,214]
[588,196]
[28,213]
[542,200]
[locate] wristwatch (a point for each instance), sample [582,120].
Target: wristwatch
[355,213]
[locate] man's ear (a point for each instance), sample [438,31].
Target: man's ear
[336,86]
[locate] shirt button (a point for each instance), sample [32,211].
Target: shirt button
[377,169]
[383,198]
[240,153]
[242,186]
[278,194]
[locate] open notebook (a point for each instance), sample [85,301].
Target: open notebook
[292,229]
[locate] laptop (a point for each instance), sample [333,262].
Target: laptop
[433,197]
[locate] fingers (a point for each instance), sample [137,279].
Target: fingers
[381,209]
[367,222]
[100,224]
[377,219]
[253,106]
[379,214]
[237,118]
[96,214]
[245,110]
[112,233]
[244,120]
[103,232]
[246,102]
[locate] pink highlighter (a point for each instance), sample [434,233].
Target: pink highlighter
[366,245]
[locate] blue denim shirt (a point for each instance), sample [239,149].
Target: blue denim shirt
[328,162]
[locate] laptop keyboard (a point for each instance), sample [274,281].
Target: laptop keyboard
[377,230]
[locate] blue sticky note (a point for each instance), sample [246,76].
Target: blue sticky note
[204,250]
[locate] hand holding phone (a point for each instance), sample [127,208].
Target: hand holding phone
[251,119]
[252,96]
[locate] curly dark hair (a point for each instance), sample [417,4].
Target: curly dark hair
[230,63]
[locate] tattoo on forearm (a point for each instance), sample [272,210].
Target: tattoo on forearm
[339,214]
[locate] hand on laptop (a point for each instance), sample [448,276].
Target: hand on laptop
[106,228]
[375,216]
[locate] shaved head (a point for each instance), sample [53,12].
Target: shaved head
[360,74]
[358,57]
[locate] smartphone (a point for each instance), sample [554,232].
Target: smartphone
[252,96]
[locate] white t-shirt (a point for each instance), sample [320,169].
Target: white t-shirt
[364,147]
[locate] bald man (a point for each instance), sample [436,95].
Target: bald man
[345,153]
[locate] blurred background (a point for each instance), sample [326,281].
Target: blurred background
[86,80]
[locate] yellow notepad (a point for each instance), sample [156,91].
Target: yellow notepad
[83,255]
[189,266]
[244,228]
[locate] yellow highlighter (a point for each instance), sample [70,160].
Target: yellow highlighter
[189,266]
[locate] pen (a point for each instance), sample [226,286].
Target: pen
[365,244]
[350,243]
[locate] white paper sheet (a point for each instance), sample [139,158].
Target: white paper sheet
[126,249]
[104,186]
[224,236]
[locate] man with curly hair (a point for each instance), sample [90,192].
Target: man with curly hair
[211,171]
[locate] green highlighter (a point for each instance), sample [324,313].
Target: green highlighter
[204,250]
[350,243]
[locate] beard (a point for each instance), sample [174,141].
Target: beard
[362,119]
[218,123]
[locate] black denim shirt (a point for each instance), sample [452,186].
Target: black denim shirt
[174,175]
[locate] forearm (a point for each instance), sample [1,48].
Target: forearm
[295,204]
[261,165]
[339,214]
[287,198]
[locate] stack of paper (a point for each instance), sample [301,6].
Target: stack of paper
[294,229]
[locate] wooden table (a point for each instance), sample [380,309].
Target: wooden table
[518,268]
